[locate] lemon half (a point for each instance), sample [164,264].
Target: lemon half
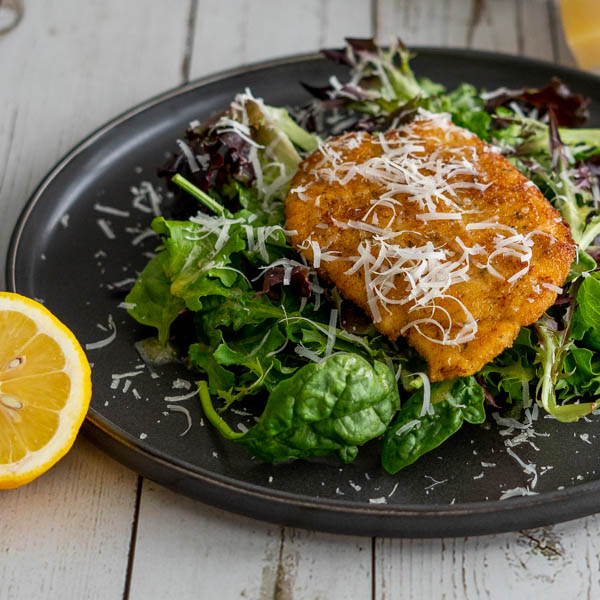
[45,389]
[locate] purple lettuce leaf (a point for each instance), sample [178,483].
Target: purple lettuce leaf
[570,110]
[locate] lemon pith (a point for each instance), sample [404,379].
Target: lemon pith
[45,389]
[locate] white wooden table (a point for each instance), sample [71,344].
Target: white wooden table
[92,528]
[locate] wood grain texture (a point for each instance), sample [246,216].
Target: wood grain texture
[66,535]
[425,22]
[185,549]
[64,70]
[323,566]
[494,25]
[551,562]
[511,26]
[230,34]
[67,68]
[534,30]
[561,51]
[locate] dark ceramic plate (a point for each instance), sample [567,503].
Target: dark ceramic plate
[60,254]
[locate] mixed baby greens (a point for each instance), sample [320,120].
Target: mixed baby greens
[227,291]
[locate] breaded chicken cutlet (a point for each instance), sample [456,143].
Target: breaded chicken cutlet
[435,235]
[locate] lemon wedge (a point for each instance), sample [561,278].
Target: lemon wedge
[581,20]
[45,389]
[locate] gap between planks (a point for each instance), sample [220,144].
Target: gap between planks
[133,538]
[189,42]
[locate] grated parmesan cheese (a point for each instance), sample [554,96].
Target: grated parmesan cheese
[110,210]
[106,228]
[380,500]
[180,398]
[552,288]
[186,412]
[331,330]
[415,423]
[518,491]
[189,155]
[303,351]
[142,236]
[426,408]
[106,341]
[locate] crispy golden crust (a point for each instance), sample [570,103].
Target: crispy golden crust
[317,208]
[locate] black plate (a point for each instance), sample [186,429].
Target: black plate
[67,262]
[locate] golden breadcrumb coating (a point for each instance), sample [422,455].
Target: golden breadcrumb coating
[433,234]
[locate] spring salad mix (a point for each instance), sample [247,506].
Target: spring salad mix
[227,290]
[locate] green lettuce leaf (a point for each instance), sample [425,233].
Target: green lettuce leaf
[467,109]
[586,318]
[510,374]
[583,368]
[153,304]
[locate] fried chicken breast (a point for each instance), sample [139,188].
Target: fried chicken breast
[435,235]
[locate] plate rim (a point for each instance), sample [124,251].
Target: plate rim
[183,88]
[578,498]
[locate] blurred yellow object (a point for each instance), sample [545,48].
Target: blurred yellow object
[581,20]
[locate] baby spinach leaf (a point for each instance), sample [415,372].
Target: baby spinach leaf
[249,343]
[251,354]
[412,435]
[253,351]
[331,407]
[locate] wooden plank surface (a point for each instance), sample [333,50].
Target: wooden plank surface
[550,562]
[561,51]
[240,32]
[535,34]
[64,70]
[204,552]
[67,68]
[187,550]
[425,22]
[526,27]
[270,561]
[67,534]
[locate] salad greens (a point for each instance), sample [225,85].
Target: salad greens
[259,323]
[329,407]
